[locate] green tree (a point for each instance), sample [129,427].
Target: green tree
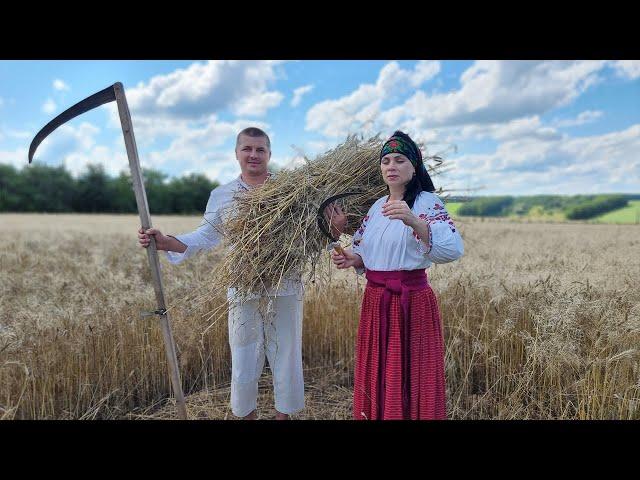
[123,199]
[43,188]
[189,194]
[487,206]
[156,186]
[599,205]
[9,194]
[92,192]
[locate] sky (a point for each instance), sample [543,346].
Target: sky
[503,127]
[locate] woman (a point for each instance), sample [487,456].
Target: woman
[399,371]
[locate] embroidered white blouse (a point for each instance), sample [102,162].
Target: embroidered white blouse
[388,245]
[208,234]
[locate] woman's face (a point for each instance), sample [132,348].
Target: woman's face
[396,169]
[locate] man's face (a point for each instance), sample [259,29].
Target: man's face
[253,154]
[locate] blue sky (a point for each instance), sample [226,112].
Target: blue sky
[508,127]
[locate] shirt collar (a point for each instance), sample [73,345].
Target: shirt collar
[245,185]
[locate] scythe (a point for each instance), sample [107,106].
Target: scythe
[109,94]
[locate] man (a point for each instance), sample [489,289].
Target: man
[251,336]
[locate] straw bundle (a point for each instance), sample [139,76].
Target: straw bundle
[272,233]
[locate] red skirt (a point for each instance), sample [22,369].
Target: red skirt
[399,372]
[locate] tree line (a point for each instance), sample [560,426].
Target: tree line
[44,188]
[575,207]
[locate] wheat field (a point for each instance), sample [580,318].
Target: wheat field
[541,321]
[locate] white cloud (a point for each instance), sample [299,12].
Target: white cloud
[223,167]
[113,160]
[298,93]
[257,105]
[499,91]
[60,85]
[316,147]
[585,117]
[68,142]
[198,149]
[392,76]
[518,128]
[75,147]
[49,106]
[292,162]
[424,71]
[181,106]
[206,88]
[591,164]
[360,109]
[195,143]
[149,129]
[19,134]
[18,157]
[629,69]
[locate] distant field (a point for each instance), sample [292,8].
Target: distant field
[628,214]
[452,207]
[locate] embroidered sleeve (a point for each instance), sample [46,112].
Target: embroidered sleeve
[444,243]
[357,237]
[423,247]
[356,246]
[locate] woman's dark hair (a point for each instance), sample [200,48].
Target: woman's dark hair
[421,181]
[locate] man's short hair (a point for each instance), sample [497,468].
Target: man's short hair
[253,132]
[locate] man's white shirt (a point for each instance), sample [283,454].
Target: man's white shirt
[209,235]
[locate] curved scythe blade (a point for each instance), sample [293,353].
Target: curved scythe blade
[320,216]
[104,96]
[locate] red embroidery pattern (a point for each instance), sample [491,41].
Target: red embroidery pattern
[430,220]
[360,231]
[442,217]
[423,216]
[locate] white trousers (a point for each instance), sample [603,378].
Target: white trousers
[279,337]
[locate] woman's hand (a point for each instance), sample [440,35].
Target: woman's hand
[398,209]
[349,259]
